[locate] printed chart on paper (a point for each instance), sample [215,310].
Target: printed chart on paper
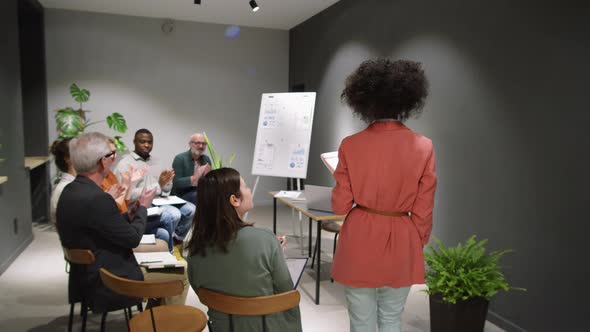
[284,134]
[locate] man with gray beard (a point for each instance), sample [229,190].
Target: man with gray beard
[189,166]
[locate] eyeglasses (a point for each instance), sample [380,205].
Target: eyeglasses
[198,143]
[111,154]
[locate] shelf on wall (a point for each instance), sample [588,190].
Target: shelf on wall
[35,161]
[3,179]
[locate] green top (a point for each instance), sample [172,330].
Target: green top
[253,266]
[184,166]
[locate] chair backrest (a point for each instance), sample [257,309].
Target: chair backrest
[249,306]
[79,256]
[135,288]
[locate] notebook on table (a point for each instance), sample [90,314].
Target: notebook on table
[148,239]
[157,260]
[168,200]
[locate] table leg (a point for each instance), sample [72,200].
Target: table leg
[319,249]
[274,215]
[309,251]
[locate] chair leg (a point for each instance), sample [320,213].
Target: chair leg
[130,312]
[71,320]
[84,313]
[153,319]
[334,251]
[126,319]
[103,321]
[315,250]
[139,308]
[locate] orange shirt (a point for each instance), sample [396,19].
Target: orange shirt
[390,168]
[108,182]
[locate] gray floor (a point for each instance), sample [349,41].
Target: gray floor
[33,291]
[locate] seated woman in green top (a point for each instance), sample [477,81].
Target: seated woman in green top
[232,257]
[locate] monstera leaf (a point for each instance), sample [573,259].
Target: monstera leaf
[79,95]
[72,123]
[119,143]
[69,122]
[117,122]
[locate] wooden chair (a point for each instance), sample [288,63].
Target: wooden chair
[80,257]
[166,318]
[332,227]
[85,257]
[248,306]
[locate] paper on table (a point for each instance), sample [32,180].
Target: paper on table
[154,211]
[148,239]
[170,200]
[157,260]
[288,194]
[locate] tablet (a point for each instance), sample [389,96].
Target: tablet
[330,160]
[296,267]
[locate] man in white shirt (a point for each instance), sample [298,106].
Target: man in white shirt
[176,220]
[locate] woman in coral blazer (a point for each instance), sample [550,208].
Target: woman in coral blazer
[385,183]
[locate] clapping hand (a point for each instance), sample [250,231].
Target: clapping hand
[282,241]
[145,199]
[166,177]
[199,171]
[132,175]
[116,191]
[203,169]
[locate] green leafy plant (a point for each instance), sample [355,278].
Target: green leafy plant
[464,271]
[73,122]
[215,159]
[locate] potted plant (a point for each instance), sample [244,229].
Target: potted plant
[461,281]
[217,160]
[72,122]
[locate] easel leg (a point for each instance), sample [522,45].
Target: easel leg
[253,193]
[274,215]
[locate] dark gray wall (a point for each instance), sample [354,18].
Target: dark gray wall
[33,82]
[507,113]
[192,79]
[34,101]
[15,205]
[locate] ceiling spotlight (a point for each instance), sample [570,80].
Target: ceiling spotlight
[254,6]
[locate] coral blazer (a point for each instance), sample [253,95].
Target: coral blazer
[390,168]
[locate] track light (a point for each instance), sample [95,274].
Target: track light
[254,6]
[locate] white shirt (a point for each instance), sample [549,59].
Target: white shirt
[149,181]
[64,180]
